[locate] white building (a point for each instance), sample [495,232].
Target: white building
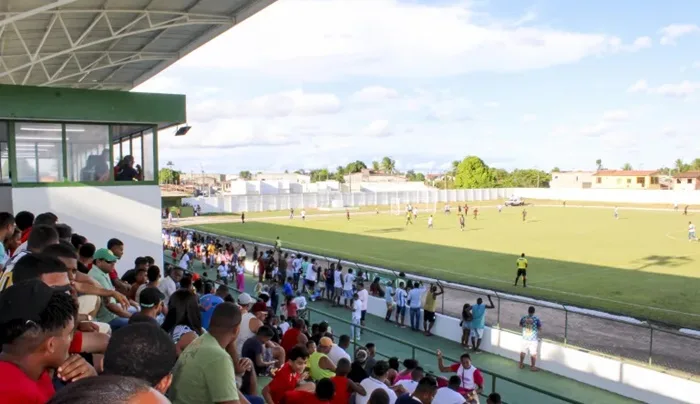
[572,179]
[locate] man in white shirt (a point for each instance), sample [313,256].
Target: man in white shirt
[300,301]
[377,381]
[449,394]
[337,352]
[348,282]
[185,260]
[170,284]
[410,385]
[356,317]
[296,264]
[223,272]
[364,299]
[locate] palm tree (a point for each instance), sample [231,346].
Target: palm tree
[599,164]
[695,165]
[455,165]
[627,167]
[388,165]
[375,165]
[680,166]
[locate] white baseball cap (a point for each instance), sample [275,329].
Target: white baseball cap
[245,299]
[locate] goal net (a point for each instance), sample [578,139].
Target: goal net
[396,208]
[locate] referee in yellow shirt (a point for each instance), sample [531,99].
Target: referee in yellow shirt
[521,264]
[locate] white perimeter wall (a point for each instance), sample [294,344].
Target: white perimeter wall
[261,203]
[129,213]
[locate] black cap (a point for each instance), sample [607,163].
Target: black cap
[150,297]
[24,301]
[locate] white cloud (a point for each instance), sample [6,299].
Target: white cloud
[160,84]
[269,106]
[672,90]
[616,115]
[390,38]
[377,128]
[373,94]
[529,117]
[640,85]
[425,166]
[641,43]
[228,134]
[595,130]
[492,104]
[670,33]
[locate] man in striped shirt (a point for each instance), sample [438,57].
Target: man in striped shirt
[401,297]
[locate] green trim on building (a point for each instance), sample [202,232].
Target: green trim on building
[79,105]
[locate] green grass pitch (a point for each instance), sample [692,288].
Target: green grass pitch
[641,264]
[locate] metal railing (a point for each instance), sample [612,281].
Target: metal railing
[609,335]
[386,346]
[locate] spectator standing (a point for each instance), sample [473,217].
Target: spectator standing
[110,312]
[531,325]
[401,297]
[389,298]
[364,299]
[240,273]
[377,382]
[204,372]
[466,324]
[209,301]
[470,381]
[348,283]
[429,309]
[479,321]
[355,330]
[415,301]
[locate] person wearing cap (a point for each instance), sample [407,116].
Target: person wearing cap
[320,365]
[36,329]
[251,320]
[110,312]
[151,304]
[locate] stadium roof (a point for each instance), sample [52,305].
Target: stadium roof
[107,44]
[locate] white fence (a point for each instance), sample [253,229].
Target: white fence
[261,203]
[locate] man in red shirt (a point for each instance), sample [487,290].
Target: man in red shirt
[287,378]
[323,394]
[36,328]
[471,380]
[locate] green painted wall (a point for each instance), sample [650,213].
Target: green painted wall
[67,104]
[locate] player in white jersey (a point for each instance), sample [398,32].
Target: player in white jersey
[500,208]
[616,214]
[430,222]
[303,214]
[692,236]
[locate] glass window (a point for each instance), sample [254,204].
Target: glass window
[4,155]
[87,147]
[148,157]
[136,150]
[126,148]
[39,150]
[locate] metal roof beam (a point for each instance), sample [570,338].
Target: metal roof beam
[110,64]
[12,17]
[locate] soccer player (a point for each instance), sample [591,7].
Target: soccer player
[616,214]
[303,214]
[347,214]
[691,232]
[476,213]
[524,214]
[500,208]
[243,217]
[430,222]
[408,218]
[291,213]
[685,210]
[461,222]
[466,209]
[521,264]
[415,213]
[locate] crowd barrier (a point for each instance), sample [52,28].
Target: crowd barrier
[388,346]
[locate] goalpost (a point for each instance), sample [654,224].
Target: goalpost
[396,206]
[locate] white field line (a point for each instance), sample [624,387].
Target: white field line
[315,248]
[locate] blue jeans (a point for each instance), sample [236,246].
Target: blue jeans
[415,318]
[118,323]
[254,399]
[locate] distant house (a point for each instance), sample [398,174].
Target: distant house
[289,177]
[688,181]
[572,179]
[626,179]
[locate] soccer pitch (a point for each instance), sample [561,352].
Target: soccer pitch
[641,264]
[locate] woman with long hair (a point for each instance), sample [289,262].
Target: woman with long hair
[466,324]
[184,320]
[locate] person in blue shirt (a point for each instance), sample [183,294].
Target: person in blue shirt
[288,289]
[415,302]
[209,301]
[479,321]
[531,325]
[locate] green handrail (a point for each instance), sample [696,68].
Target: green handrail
[414,348]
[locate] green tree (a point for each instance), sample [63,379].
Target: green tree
[695,165]
[627,167]
[529,178]
[355,167]
[680,166]
[168,176]
[375,166]
[556,170]
[599,164]
[411,175]
[501,178]
[245,175]
[388,165]
[320,175]
[420,177]
[472,172]
[455,164]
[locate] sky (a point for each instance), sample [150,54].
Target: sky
[308,84]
